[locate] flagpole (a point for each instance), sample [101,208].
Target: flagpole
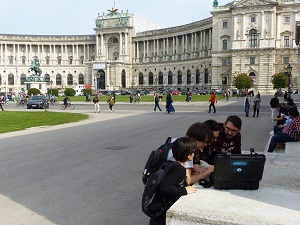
[17,76]
[6,80]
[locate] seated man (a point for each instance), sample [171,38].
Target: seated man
[290,133]
[229,139]
[282,114]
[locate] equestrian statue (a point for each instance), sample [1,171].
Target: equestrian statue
[35,66]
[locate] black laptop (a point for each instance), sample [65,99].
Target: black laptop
[242,171]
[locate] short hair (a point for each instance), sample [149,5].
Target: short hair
[212,124]
[200,132]
[182,148]
[293,112]
[235,120]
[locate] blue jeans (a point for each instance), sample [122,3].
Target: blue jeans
[247,106]
[279,138]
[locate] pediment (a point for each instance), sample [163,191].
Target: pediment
[248,3]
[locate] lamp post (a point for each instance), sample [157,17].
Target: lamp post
[289,73]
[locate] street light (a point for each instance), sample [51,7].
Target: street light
[289,73]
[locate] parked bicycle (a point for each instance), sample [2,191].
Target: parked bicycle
[70,106]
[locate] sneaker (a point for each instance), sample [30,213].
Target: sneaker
[205,183]
[272,132]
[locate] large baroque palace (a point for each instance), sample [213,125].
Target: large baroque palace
[256,37]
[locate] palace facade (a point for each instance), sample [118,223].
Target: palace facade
[256,37]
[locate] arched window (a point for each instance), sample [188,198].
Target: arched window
[123,74]
[253,38]
[70,79]
[11,79]
[47,78]
[225,44]
[58,79]
[151,78]
[23,78]
[160,78]
[206,76]
[179,77]
[141,78]
[170,77]
[197,76]
[189,77]
[80,79]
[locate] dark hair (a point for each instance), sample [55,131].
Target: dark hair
[212,124]
[235,120]
[293,112]
[182,148]
[200,132]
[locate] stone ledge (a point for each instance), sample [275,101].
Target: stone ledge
[292,148]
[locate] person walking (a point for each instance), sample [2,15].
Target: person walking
[130,97]
[247,105]
[96,104]
[1,101]
[212,101]
[156,101]
[256,105]
[169,102]
[111,102]
[273,103]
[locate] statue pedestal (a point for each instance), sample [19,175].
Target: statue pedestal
[35,81]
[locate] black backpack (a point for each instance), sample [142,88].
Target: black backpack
[157,159]
[153,203]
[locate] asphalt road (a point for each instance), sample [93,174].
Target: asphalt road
[91,173]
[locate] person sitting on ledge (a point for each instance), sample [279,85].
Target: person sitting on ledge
[290,132]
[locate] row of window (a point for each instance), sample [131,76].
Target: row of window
[11,60]
[225,62]
[153,80]
[58,79]
[252,19]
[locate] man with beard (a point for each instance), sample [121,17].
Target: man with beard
[229,140]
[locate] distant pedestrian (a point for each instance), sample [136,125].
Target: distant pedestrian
[273,103]
[111,102]
[1,102]
[96,104]
[169,102]
[156,101]
[247,105]
[212,101]
[130,97]
[137,97]
[256,105]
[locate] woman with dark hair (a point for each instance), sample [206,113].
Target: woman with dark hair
[174,184]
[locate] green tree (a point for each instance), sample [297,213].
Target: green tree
[279,80]
[243,81]
[33,91]
[53,91]
[84,91]
[70,92]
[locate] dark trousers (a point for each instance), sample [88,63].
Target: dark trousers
[279,138]
[256,111]
[212,104]
[157,106]
[110,106]
[161,220]
[1,107]
[247,107]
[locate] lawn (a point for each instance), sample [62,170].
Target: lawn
[13,121]
[145,98]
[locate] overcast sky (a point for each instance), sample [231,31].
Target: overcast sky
[78,16]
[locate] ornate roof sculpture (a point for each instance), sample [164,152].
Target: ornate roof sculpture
[249,3]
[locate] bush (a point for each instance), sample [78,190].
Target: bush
[53,91]
[69,92]
[84,91]
[33,91]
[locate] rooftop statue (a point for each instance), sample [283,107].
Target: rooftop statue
[35,66]
[113,11]
[215,3]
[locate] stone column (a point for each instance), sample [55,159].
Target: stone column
[167,46]
[195,45]
[84,52]
[204,40]
[54,53]
[164,48]
[173,49]
[97,44]
[182,47]
[42,53]
[137,51]
[88,51]
[144,51]
[102,45]
[120,44]
[177,47]
[30,53]
[2,55]
[126,43]
[154,57]
[77,52]
[147,59]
